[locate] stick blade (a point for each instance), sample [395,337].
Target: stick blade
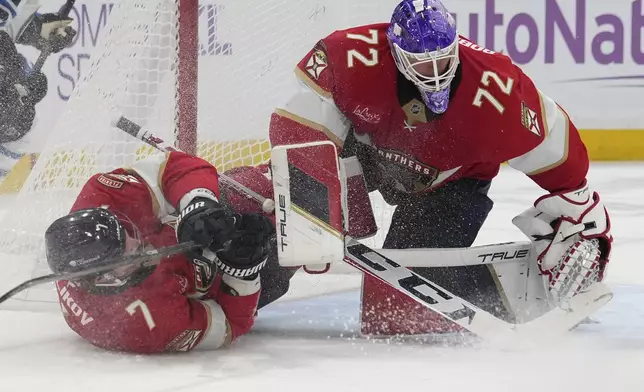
[562,319]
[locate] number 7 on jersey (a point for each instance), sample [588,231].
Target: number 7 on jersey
[147,316]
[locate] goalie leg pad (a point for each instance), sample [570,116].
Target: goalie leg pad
[362,223]
[309,196]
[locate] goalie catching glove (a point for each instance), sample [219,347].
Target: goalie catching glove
[240,242]
[571,233]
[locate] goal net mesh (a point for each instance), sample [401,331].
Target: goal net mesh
[247,51]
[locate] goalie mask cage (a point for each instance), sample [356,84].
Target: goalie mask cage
[204,74]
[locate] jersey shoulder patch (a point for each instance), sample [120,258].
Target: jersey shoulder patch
[340,53]
[116,181]
[313,71]
[109,182]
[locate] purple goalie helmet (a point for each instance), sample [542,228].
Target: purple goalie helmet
[424,44]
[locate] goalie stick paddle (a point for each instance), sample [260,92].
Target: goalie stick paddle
[507,252]
[108,265]
[64,11]
[485,325]
[425,292]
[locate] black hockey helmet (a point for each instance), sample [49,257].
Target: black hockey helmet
[84,238]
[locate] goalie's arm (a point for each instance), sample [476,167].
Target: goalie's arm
[308,117]
[311,115]
[572,210]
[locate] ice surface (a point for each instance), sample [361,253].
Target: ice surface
[311,342]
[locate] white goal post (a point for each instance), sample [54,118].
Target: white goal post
[205,74]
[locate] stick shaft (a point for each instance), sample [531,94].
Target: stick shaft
[108,265]
[137,131]
[64,11]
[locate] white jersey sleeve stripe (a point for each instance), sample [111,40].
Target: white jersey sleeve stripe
[314,111]
[553,150]
[548,111]
[150,170]
[303,78]
[215,335]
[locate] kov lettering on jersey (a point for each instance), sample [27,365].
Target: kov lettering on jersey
[109,182]
[473,46]
[116,181]
[69,306]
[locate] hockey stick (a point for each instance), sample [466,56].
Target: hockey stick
[40,62]
[491,254]
[459,257]
[430,295]
[108,265]
[134,129]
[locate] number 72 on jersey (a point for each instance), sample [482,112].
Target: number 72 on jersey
[482,93]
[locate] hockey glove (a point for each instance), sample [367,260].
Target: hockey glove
[571,233]
[18,100]
[17,119]
[249,249]
[50,31]
[207,223]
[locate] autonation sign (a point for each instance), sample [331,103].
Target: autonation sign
[586,54]
[585,32]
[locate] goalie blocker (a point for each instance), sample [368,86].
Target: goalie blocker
[315,193]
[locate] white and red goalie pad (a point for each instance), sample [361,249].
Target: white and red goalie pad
[361,222]
[309,204]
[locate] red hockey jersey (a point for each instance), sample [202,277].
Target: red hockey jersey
[180,305]
[349,81]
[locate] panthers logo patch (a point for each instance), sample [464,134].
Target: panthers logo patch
[408,174]
[317,64]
